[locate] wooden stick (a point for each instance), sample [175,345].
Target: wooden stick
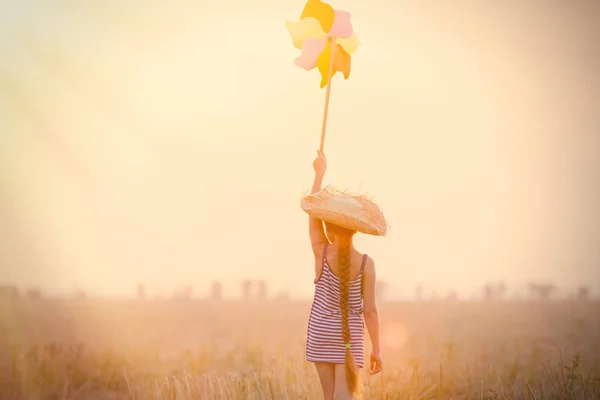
[327,94]
[441,386]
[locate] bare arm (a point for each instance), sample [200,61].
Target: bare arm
[318,239]
[370,312]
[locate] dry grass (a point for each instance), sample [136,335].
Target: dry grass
[231,350]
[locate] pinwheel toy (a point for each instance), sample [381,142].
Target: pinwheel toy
[327,39]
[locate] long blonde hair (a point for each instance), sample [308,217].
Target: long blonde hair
[344,261]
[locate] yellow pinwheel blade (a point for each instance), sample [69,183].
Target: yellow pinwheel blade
[341,63]
[320,11]
[350,44]
[306,28]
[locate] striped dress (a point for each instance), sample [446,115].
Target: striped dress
[324,339]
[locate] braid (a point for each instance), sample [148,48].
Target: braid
[344,264]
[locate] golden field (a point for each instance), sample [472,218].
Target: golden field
[127,349]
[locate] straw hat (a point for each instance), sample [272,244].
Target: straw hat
[350,211]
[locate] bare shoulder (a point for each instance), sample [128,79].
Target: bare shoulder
[318,247]
[370,267]
[319,251]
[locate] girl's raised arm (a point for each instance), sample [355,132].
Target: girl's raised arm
[318,239]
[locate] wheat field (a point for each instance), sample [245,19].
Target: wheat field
[118,349]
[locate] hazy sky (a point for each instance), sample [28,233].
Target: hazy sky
[170,144]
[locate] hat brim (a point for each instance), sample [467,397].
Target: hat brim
[369,220]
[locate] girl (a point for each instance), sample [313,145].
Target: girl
[344,287]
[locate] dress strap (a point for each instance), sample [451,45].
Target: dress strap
[362,275]
[318,278]
[362,266]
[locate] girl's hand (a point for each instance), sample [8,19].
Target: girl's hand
[320,164]
[375,364]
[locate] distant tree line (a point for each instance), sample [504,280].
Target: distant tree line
[259,291]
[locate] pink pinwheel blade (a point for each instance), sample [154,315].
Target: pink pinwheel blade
[341,28]
[310,53]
